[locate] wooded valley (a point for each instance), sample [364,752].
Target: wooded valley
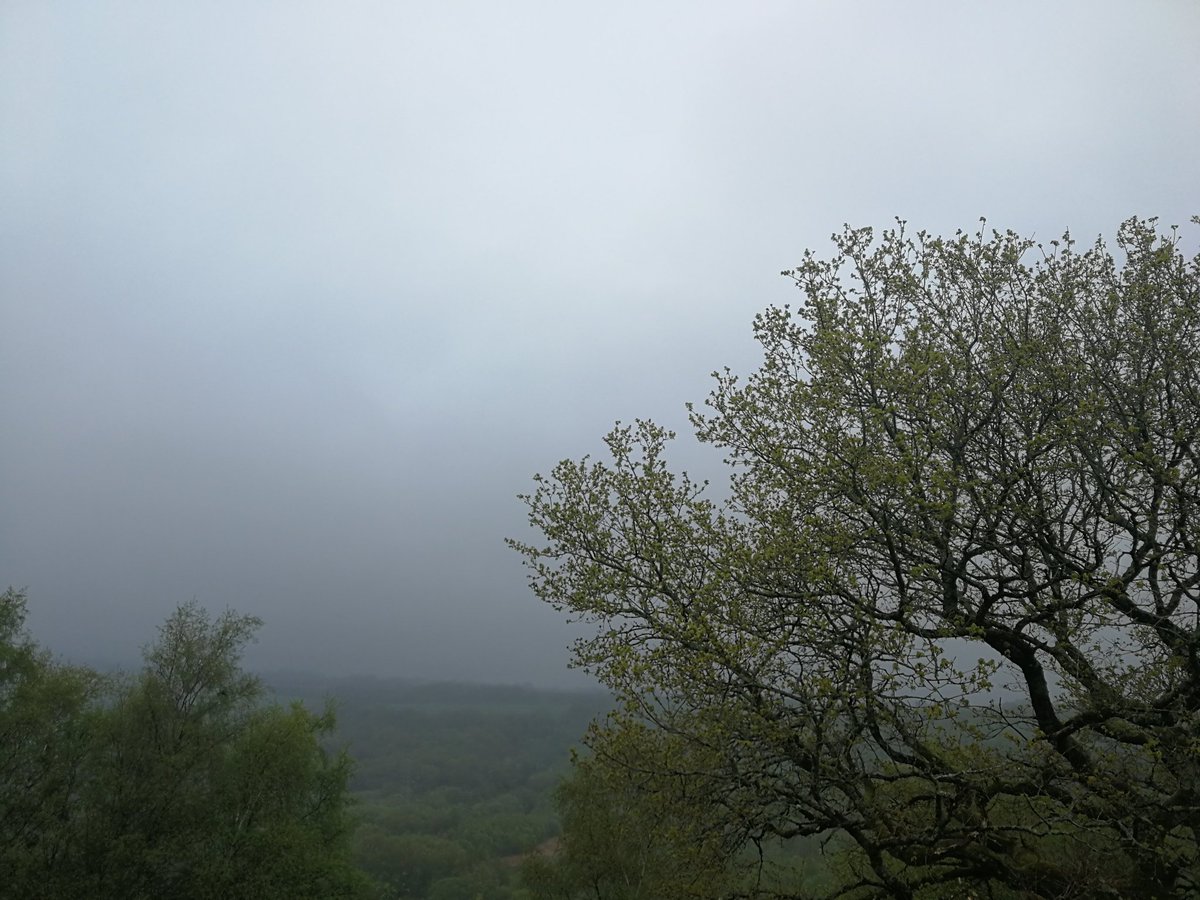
[453,783]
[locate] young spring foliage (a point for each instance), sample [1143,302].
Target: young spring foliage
[633,828]
[180,782]
[949,610]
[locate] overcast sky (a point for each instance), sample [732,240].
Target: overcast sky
[296,297]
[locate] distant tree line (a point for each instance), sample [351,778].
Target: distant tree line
[454,783]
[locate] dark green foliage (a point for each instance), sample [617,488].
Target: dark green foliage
[46,719]
[181,782]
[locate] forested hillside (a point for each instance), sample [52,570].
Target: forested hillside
[454,783]
[194,778]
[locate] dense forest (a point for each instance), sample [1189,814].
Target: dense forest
[181,780]
[195,778]
[453,783]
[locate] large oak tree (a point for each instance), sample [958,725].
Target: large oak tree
[946,609]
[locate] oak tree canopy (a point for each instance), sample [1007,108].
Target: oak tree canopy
[946,611]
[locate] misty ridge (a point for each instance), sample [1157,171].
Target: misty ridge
[421,481]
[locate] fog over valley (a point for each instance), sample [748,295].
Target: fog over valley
[295,298]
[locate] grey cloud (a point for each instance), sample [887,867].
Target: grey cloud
[296,297]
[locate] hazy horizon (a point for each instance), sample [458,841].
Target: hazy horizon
[296,298]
